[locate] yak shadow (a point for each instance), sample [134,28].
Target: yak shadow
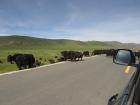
[76,60]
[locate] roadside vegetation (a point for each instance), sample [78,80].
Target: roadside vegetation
[42,55]
[44,50]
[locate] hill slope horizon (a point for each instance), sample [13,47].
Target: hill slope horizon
[27,42]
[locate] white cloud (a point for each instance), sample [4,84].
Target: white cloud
[123,29]
[76,23]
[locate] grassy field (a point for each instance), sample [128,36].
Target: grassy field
[6,67]
[38,53]
[43,48]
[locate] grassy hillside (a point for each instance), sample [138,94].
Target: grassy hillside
[47,48]
[25,42]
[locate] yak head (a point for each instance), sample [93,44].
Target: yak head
[10,59]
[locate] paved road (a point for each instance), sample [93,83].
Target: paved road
[88,82]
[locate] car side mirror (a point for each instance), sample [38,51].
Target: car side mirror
[124,57]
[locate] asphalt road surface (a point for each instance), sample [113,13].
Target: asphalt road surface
[89,82]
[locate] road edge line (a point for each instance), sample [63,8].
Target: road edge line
[25,70]
[13,72]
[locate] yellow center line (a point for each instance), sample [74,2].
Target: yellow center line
[127,69]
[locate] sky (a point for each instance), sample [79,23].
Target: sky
[85,20]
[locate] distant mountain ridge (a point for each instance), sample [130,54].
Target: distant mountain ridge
[27,42]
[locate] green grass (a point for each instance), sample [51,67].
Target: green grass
[40,48]
[40,53]
[6,67]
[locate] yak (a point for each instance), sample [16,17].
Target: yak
[86,53]
[71,55]
[22,61]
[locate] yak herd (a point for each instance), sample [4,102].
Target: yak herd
[24,61]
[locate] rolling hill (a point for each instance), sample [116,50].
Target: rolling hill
[26,42]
